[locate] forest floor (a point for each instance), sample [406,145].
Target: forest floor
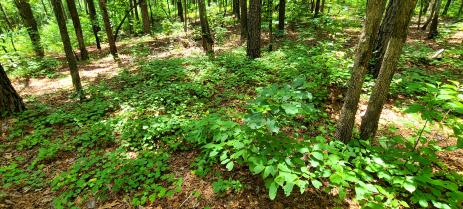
[121,88]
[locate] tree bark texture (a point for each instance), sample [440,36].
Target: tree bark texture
[93,18]
[78,28]
[29,21]
[10,101]
[254,21]
[108,29]
[244,19]
[145,17]
[435,21]
[380,91]
[207,40]
[345,124]
[432,6]
[236,8]
[71,59]
[180,10]
[317,8]
[281,15]
[446,7]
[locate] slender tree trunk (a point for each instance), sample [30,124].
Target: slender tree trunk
[281,15]
[385,31]
[236,8]
[145,17]
[205,31]
[446,8]
[322,8]
[7,20]
[185,18]
[421,12]
[270,24]
[72,62]
[180,10]
[151,13]
[44,8]
[381,89]
[461,9]
[107,26]
[78,28]
[95,27]
[27,16]
[432,5]
[317,8]
[254,21]
[130,17]
[375,9]
[435,21]
[244,20]
[136,10]
[10,101]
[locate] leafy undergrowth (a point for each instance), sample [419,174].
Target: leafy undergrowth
[266,117]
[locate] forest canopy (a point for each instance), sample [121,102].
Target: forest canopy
[231,104]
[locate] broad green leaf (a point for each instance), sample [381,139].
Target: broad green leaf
[290,108]
[317,155]
[288,188]
[272,190]
[230,165]
[316,183]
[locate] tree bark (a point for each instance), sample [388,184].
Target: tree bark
[435,21]
[205,31]
[345,124]
[185,20]
[244,20]
[78,28]
[270,24]
[322,7]
[281,15]
[145,17]
[136,10]
[10,101]
[95,26]
[71,59]
[380,91]
[254,21]
[446,8]
[432,6]
[180,10]
[44,8]
[27,16]
[461,9]
[236,8]
[317,8]
[107,26]
[385,31]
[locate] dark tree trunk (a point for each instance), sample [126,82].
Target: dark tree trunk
[322,7]
[180,10]
[185,18]
[435,21]
[136,10]
[72,62]
[130,19]
[281,15]
[205,31]
[95,27]
[254,21]
[317,8]
[107,26]
[381,89]
[446,8]
[244,20]
[78,28]
[385,31]
[10,101]
[270,24]
[375,9]
[145,17]
[44,8]
[27,16]
[236,8]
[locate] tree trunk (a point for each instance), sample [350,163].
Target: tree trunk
[270,24]
[44,8]
[10,101]
[72,62]
[254,21]
[180,10]
[78,28]
[95,27]
[435,21]
[145,17]
[281,15]
[317,8]
[422,7]
[7,20]
[136,10]
[185,20]
[380,91]
[130,19]
[461,9]
[205,31]
[236,8]
[27,16]
[446,8]
[107,26]
[385,31]
[432,6]
[322,7]
[244,20]
[375,9]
